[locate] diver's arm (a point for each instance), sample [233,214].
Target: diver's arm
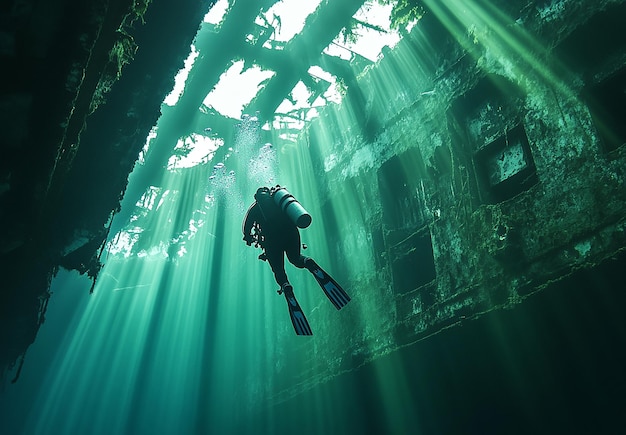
[248,222]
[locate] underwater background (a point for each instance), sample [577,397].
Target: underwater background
[465,193]
[203,344]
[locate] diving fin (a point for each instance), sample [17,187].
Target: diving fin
[300,323]
[331,288]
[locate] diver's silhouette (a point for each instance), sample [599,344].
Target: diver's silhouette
[272,223]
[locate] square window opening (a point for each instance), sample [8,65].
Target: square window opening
[505,167]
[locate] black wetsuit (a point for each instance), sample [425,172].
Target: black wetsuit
[279,236]
[266,225]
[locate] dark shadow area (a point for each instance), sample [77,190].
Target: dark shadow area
[607,104]
[552,365]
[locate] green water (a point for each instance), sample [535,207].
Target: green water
[201,341]
[203,344]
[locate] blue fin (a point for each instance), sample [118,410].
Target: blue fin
[300,323]
[331,288]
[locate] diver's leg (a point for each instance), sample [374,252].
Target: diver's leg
[276,259]
[292,249]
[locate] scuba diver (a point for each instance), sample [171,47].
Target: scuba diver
[272,223]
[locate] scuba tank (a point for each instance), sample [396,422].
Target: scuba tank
[291,207]
[277,203]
